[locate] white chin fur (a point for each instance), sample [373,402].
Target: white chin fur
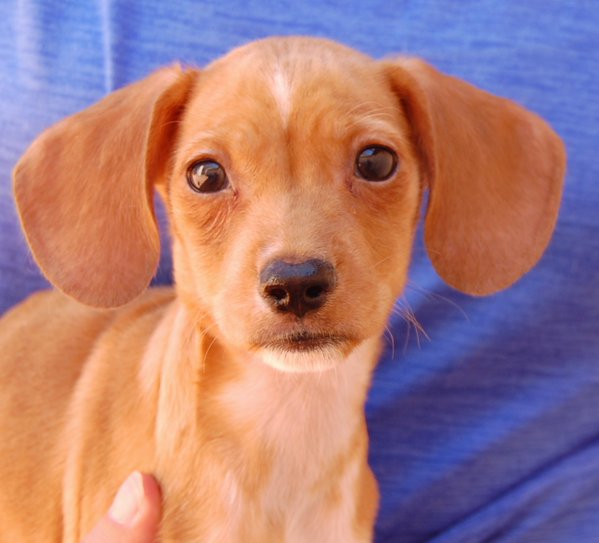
[303,361]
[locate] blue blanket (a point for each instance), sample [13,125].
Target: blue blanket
[484,427]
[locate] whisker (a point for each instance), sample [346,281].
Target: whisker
[382,261]
[206,352]
[391,337]
[430,295]
[197,317]
[403,310]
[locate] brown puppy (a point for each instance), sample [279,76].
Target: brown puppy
[293,171]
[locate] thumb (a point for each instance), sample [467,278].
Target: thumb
[134,515]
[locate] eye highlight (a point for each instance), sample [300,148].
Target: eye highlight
[376,163]
[207,176]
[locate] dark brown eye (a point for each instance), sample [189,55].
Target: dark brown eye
[207,176]
[376,163]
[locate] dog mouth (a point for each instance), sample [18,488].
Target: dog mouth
[304,342]
[303,350]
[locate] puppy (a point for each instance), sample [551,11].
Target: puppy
[293,172]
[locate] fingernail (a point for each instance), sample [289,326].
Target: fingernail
[128,499]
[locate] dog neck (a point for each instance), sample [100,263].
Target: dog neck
[249,415]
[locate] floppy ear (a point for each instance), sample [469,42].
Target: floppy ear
[84,190]
[495,174]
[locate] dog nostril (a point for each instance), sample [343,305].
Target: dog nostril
[314,292]
[276,293]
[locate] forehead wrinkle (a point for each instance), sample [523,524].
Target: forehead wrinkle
[202,141]
[379,130]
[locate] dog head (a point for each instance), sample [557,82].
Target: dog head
[292,171]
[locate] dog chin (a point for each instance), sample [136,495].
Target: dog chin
[304,361]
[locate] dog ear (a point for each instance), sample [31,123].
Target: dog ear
[495,174]
[84,190]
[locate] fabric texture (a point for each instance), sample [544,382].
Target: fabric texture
[484,427]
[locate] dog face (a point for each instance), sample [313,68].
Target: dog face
[292,171]
[297,243]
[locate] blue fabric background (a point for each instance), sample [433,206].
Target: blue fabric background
[488,428]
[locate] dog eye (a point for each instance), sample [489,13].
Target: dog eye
[207,176]
[376,163]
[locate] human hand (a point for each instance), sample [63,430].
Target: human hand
[134,515]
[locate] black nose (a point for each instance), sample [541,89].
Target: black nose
[297,288]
